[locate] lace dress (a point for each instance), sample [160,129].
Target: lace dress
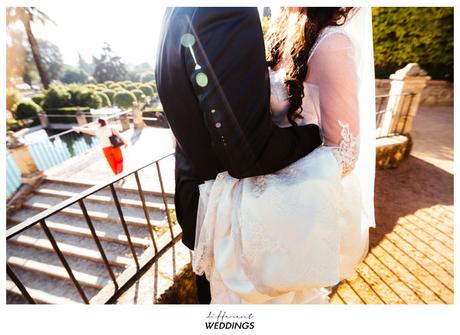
[287,236]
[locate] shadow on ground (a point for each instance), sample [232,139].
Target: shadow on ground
[414,185]
[183,291]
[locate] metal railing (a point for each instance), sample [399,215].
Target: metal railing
[157,250]
[392,113]
[56,149]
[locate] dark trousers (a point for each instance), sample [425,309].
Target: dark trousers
[203,289]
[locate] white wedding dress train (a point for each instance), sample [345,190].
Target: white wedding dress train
[288,236]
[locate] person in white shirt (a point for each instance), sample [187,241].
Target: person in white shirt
[103,132]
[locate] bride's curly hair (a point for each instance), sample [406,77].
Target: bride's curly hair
[310,20]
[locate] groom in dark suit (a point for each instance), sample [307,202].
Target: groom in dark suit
[213,83]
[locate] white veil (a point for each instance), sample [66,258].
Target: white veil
[359,27]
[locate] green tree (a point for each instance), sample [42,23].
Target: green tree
[147,76]
[108,66]
[72,75]
[51,58]
[136,71]
[414,34]
[83,65]
[27,15]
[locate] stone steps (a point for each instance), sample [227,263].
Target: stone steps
[85,185]
[156,204]
[108,213]
[33,259]
[45,289]
[67,189]
[58,272]
[90,267]
[42,244]
[108,236]
[40,296]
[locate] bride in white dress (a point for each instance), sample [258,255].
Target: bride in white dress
[289,236]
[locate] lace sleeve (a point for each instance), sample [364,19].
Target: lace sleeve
[332,67]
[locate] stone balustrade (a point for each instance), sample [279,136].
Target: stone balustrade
[138,120]
[395,144]
[436,92]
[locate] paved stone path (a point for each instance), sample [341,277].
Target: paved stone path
[411,249]
[144,145]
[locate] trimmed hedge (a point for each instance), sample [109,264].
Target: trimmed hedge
[114,86]
[57,97]
[89,99]
[83,97]
[13,125]
[124,99]
[131,87]
[38,99]
[109,94]
[13,97]
[140,96]
[147,89]
[153,110]
[153,84]
[90,86]
[66,111]
[105,101]
[27,109]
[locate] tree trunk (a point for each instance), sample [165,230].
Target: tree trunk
[36,53]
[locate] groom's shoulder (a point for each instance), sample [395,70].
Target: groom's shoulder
[199,14]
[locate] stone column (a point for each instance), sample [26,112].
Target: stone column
[81,118]
[137,116]
[30,174]
[409,80]
[43,119]
[124,122]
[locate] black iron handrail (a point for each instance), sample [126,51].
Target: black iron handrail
[40,218]
[11,232]
[86,125]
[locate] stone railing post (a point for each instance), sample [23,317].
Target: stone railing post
[124,122]
[19,150]
[81,118]
[43,119]
[137,116]
[409,80]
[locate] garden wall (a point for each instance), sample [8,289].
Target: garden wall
[437,92]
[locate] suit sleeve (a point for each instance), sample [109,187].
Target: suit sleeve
[228,72]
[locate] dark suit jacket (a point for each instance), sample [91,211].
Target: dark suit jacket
[216,96]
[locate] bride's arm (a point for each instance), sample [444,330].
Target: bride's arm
[332,67]
[235,97]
